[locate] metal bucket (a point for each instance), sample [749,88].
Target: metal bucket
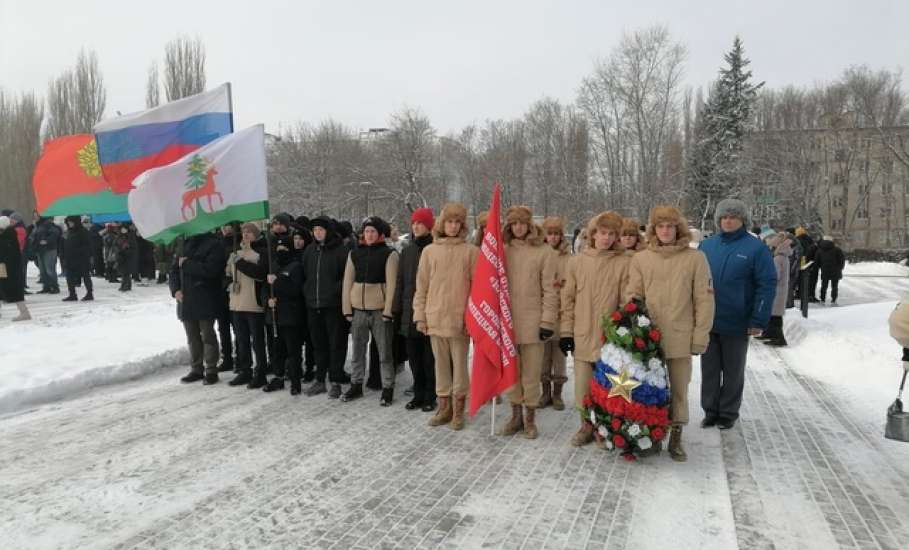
[897,427]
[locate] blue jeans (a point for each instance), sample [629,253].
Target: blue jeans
[47,263]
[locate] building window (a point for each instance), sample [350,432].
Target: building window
[836,225]
[887,187]
[839,155]
[882,238]
[887,166]
[862,210]
[838,202]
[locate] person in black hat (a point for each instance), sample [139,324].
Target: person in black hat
[323,272]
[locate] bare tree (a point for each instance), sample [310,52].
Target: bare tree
[631,101]
[76,99]
[184,68]
[20,145]
[152,87]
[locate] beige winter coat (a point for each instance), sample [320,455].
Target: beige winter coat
[594,282]
[242,292]
[674,282]
[532,287]
[899,323]
[443,285]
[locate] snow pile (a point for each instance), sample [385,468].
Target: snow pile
[887,269]
[850,349]
[69,348]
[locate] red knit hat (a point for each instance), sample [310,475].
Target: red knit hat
[424,216]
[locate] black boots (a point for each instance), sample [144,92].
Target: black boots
[211,377]
[258,379]
[387,397]
[88,297]
[276,383]
[193,376]
[354,392]
[243,378]
[72,297]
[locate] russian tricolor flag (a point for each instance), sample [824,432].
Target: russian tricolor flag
[131,144]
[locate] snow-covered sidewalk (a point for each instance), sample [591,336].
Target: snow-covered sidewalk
[152,463]
[70,347]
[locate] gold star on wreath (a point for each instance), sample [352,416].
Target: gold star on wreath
[622,385]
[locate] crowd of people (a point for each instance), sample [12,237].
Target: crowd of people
[284,306]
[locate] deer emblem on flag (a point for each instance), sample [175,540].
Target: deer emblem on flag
[201,185]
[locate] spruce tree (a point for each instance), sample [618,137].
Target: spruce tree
[197,172]
[720,130]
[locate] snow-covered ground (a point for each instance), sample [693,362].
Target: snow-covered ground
[151,463]
[70,347]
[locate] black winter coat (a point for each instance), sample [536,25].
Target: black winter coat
[199,278]
[77,247]
[407,285]
[12,288]
[288,289]
[831,260]
[323,272]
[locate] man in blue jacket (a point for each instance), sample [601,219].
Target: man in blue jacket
[744,282]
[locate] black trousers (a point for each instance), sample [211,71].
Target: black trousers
[288,346]
[309,354]
[723,375]
[834,288]
[423,366]
[72,282]
[250,327]
[328,330]
[225,339]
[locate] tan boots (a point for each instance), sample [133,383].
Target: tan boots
[675,444]
[450,411]
[516,423]
[530,427]
[444,414]
[557,402]
[584,435]
[457,420]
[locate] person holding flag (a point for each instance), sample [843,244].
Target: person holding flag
[443,285]
[535,305]
[595,280]
[488,318]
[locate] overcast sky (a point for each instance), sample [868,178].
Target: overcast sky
[460,61]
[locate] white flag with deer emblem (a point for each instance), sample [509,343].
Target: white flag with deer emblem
[221,182]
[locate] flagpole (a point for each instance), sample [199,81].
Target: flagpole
[492,418]
[230,103]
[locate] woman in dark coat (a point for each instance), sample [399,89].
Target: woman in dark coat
[12,286]
[77,248]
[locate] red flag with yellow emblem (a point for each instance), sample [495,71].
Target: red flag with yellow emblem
[68,180]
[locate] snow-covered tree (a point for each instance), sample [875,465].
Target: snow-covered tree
[720,129]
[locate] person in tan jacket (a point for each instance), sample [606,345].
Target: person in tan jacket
[631,236]
[553,376]
[673,280]
[367,297]
[247,270]
[595,279]
[531,272]
[443,286]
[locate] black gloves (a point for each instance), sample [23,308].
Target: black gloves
[545,334]
[566,344]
